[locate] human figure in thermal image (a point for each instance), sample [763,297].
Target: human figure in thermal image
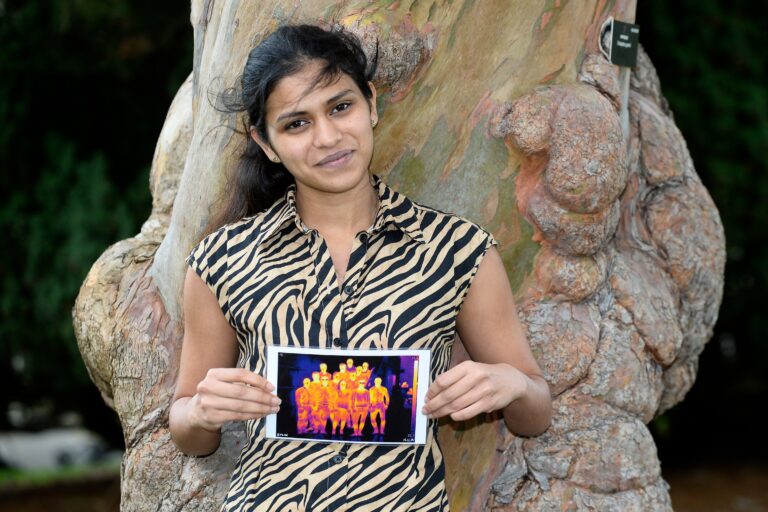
[324,371]
[335,381]
[340,411]
[303,408]
[343,374]
[315,384]
[361,402]
[365,373]
[321,406]
[314,387]
[379,405]
[359,375]
[351,366]
[407,394]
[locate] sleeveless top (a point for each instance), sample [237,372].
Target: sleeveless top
[405,282]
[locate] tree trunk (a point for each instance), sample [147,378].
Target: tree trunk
[505,113]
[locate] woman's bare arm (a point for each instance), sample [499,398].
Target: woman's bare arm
[503,373]
[209,390]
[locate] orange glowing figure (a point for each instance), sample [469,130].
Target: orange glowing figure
[340,410]
[364,373]
[379,405]
[321,405]
[361,401]
[324,371]
[342,374]
[304,406]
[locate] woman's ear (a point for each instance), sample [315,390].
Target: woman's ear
[264,145]
[372,100]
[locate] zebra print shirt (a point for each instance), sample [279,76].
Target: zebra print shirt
[405,282]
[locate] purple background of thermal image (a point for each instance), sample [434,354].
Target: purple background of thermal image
[393,370]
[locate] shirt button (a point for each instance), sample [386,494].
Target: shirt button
[336,342]
[338,459]
[363,237]
[348,290]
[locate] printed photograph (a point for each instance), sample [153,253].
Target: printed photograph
[358,396]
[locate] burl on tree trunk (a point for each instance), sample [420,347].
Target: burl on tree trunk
[502,112]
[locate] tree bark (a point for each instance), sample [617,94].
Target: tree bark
[504,113]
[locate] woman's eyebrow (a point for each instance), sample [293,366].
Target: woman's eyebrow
[330,100]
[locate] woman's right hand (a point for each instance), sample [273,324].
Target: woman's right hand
[231,394]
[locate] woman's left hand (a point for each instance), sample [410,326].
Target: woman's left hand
[471,388]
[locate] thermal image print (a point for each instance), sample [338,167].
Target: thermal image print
[374,403]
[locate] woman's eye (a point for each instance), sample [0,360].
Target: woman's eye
[295,124]
[342,106]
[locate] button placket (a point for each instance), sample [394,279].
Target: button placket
[328,292]
[359,264]
[335,327]
[324,295]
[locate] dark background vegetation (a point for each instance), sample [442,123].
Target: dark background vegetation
[84,89]
[712,61]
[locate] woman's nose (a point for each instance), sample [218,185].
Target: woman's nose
[327,133]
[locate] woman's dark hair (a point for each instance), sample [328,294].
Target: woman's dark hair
[257,182]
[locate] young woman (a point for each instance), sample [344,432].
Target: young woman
[315,250]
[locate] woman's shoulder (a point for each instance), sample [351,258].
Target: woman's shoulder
[427,223]
[245,224]
[228,232]
[436,223]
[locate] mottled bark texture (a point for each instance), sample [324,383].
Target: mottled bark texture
[503,112]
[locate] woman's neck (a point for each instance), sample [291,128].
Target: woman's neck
[338,214]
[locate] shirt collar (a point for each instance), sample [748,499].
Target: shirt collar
[394,208]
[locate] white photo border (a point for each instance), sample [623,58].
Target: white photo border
[425,360]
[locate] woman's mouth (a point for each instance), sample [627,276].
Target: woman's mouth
[336,159]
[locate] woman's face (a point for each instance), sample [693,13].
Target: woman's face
[323,136]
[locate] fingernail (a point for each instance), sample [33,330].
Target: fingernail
[270,386]
[275,409]
[276,401]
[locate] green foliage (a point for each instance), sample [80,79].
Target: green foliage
[61,228]
[85,89]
